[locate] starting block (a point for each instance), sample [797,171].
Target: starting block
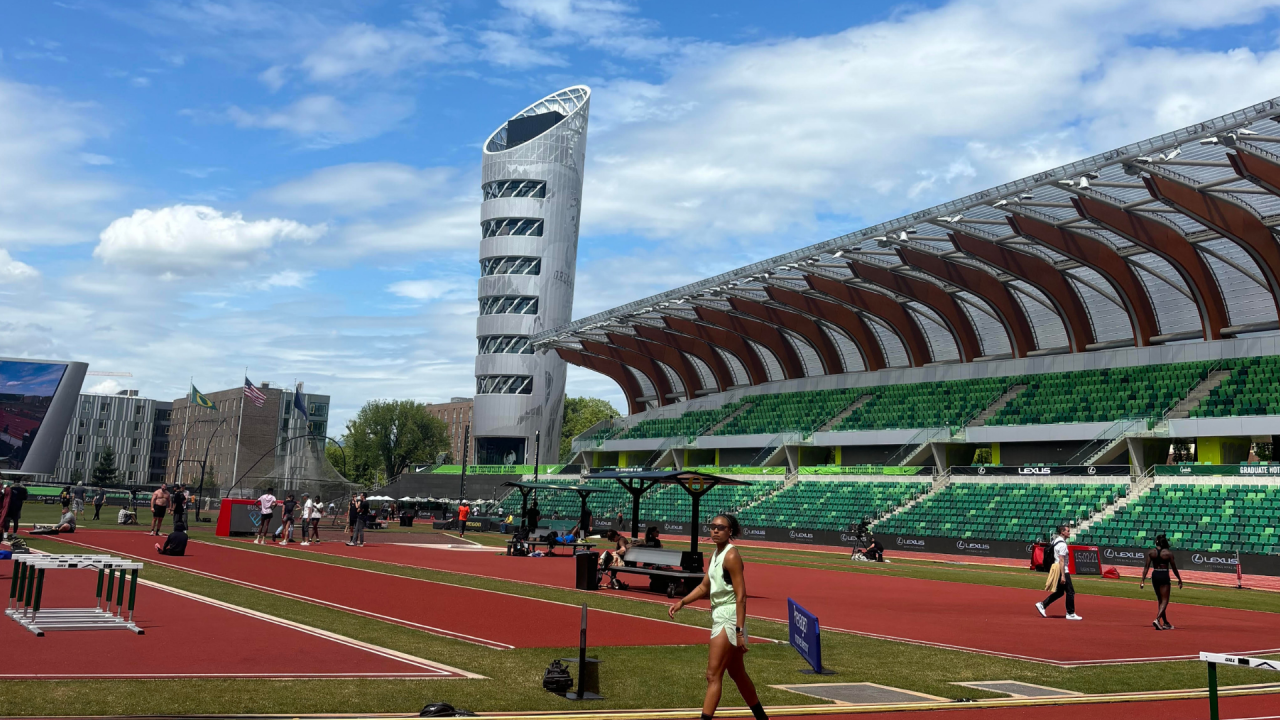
[27,589]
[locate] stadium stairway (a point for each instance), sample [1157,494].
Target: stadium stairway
[997,406]
[939,482]
[1137,488]
[845,413]
[1198,393]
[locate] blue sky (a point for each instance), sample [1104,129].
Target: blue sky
[189,188]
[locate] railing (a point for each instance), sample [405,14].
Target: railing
[926,435]
[778,441]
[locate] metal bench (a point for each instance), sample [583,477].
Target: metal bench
[684,575]
[551,546]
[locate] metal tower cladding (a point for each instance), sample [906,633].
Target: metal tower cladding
[532,185]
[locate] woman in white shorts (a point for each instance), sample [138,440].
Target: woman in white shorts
[726,586]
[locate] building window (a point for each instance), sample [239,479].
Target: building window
[137,410]
[514,188]
[504,385]
[501,227]
[79,439]
[86,406]
[133,459]
[510,265]
[509,304]
[503,345]
[104,407]
[79,456]
[83,422]
[102,424]
[318,410]
[135,442]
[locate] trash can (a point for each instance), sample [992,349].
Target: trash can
[585,565]
[406,518]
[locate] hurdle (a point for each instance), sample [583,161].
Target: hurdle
[1215,659]
[26,590]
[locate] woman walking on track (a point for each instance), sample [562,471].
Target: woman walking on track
[1160,561]
[726,585]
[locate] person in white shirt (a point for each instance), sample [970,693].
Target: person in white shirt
[1060,557]
[311,511]
[267,506]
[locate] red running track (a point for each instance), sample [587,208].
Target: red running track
[976,618]
[1247,707]
[491,619]
[226,643]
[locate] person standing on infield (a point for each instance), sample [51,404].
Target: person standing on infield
[286,518]
[1061,559]
[726,585]
[98,500]
[77,500]
[361,520]
[464,512]
[266,509]
[178,501]
[1160,561]
[310,519]
[159,506]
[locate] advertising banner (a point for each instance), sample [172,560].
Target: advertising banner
[803,633]
[1219,470]
[1049,471]
[1085,560]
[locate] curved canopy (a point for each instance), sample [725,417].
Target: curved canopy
[1166,240]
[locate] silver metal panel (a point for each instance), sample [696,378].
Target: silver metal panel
[557,157]
[1031,433]
[708,442]
[864,437]
[42,458]
[1211,427]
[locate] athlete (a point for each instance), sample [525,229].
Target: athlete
[464,512]
[725,584]
[1160,561]
[267,509]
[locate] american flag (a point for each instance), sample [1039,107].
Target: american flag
[254,394]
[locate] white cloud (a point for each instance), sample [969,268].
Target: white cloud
[274,77]
[322,121]
[364,186]
[510,50]
[95,159]
[286,279]
[13,271]
[46,194]
[363,49]
[192,239]
[107,387]
[433,289]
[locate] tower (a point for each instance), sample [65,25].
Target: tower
[532,189]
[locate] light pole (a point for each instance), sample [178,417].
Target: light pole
[203,462]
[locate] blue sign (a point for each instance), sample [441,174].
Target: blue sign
[804,635]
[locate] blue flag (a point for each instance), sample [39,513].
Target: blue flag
[298,403]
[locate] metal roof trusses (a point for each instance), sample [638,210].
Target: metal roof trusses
[1168,239]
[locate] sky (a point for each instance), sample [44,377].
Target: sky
[192,187]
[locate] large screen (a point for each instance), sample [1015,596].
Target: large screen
[27,395]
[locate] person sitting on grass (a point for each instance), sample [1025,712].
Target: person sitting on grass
[66,524]
[176,542]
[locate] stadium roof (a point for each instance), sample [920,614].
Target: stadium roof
[1168,239]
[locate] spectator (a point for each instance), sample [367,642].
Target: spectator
[159,506]
[66,524]
[310,519]
[77,499]
[651,537]
[361,520]
[176,543]
[13,515]
[533,517]
[178,501]
[65,498]
[98,500]
[286,519]
[618,525]
[266,508]
[464,512]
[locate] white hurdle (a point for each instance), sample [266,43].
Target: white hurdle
[1216,659]
[26,590]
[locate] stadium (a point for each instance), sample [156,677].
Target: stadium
[911,432]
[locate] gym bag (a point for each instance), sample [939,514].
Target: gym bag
[556,678]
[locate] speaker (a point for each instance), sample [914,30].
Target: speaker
[585,565]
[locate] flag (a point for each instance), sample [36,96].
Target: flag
[298,403]
[198,399]
[253,394]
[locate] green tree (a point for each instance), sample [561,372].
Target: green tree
[77,476]
[334,453]
[104,473]
[580,414]
[386,436]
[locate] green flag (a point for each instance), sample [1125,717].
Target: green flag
[200,400]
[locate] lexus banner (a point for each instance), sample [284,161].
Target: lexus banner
[1047,471]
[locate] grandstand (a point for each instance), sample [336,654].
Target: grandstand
[1102,312]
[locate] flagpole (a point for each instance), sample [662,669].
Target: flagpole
[235,463]
[186,417]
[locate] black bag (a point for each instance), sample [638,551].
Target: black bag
[519,550]
[444,710]
[556,678]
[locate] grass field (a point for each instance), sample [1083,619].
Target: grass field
[632,677]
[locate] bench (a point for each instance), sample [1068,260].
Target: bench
[551,546]
[685,573]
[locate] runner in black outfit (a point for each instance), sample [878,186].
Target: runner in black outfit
[1160,561]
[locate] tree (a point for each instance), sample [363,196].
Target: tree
[580,414]
[104,473]
[388,435]
[334,453]
[77,476]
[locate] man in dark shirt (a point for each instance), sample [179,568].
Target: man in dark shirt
[98,500]
[533,517]
[178,503]
[362,519]
[176,543]
[17,496]
[286,519]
